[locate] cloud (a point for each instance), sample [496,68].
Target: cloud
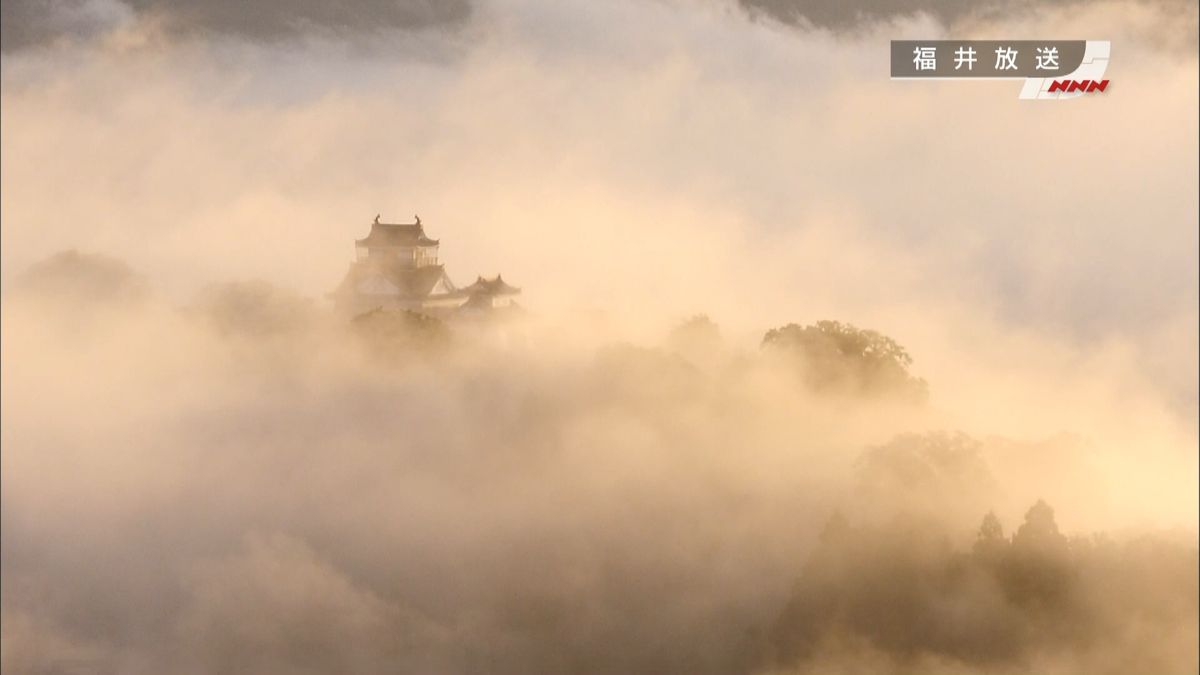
[29,23]
[276,607]
[841,16]
[32,22]
[695,172]
[222,471]
[521,501]
[898,597]
[25,23]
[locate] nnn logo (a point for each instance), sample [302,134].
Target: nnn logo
[1088,86]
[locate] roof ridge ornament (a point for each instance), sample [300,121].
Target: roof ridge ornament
[418,223]
[376,218]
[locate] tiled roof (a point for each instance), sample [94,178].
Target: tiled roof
[396,234]
[491,287]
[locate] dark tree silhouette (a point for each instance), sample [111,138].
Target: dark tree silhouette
[990,543]
[991,530]
[900,587]
[397,334]
[1039,570]
[1039,529]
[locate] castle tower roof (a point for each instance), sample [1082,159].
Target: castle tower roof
[396,234]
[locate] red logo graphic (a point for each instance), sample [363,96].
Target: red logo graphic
[1078,85]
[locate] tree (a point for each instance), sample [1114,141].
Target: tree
[697,339]
[253,308]
[990,529]
[836,529]
[934,473]
[1039,570]
[1039,529]
[990,543]
[697,329]
[85,280]
[395,334]
[837,356]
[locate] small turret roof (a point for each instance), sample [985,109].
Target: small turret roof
[491,287]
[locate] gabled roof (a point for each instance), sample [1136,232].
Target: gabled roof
[396,234]
[491,287]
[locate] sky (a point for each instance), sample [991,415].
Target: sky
[628,164]
[641,160]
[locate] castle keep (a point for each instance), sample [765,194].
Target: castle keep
[396,266]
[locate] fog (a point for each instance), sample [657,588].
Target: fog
[207,469]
